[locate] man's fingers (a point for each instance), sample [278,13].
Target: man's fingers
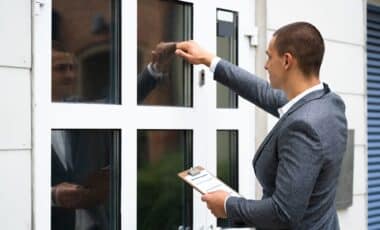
[169,47]
[205,198]
[183,54]
[154,56]
[180,53]
[182,45]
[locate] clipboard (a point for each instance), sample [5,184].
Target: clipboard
[204,182]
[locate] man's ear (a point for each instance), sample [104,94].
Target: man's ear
[287,60]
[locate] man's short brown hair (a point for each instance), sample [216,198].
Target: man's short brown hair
[304,42]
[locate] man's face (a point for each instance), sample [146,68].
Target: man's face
[64,75]
[274,66]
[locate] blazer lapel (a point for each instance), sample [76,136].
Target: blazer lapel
[267,138]
[309,97]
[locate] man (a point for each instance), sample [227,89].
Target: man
[64,73]
[299,161]
[79,173]
[80,179]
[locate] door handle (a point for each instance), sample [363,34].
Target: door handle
[202,77]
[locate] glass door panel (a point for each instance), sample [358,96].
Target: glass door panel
[227,48]
[227,162]
[162,198]
[85,51]
[164,21]
[85,179]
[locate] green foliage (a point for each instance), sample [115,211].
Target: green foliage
[161,194]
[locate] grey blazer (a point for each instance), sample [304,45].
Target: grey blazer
[298,162]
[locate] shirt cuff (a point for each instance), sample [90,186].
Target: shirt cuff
[152,70]
[225,203]
[214,63]
[53,203]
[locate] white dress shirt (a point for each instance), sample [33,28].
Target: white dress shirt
[154,72]
[290,103]
[214,63]
[61,144]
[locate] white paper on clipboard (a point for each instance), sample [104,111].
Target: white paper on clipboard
[203,181]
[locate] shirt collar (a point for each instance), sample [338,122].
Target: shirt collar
[290,103]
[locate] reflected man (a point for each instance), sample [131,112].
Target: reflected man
[80,168]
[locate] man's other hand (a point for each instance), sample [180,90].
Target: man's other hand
[162,56]
[193,53]
[68,195]
[215,202]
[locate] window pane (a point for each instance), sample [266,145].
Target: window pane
[162,198]
[164,21]
[227,163]
[85,179]
[85,51]
[227,48]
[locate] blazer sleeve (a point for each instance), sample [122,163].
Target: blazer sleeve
[250,87]
[300,156]
[145,83]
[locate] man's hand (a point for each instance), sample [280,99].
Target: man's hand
[215,202]
[193,53]
[163,55]
[69,195]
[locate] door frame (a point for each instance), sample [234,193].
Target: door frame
[203,118]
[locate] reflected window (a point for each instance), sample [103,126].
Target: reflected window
[227,163]
[162,198]
[227,48]
[164,21]
[85,179]
[85,51]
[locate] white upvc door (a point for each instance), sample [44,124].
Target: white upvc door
[213,118]
[202,117]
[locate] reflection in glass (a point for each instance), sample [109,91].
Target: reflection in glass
[85,179]
[85,51]
[227,48]
[227,162]
[165,21]
[162,199]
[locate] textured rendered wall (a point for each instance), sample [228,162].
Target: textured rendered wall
[15,118]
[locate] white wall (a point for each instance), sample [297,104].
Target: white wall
[340,21]
[15,122]
[342,24]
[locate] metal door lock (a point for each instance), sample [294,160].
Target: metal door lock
[202,77]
